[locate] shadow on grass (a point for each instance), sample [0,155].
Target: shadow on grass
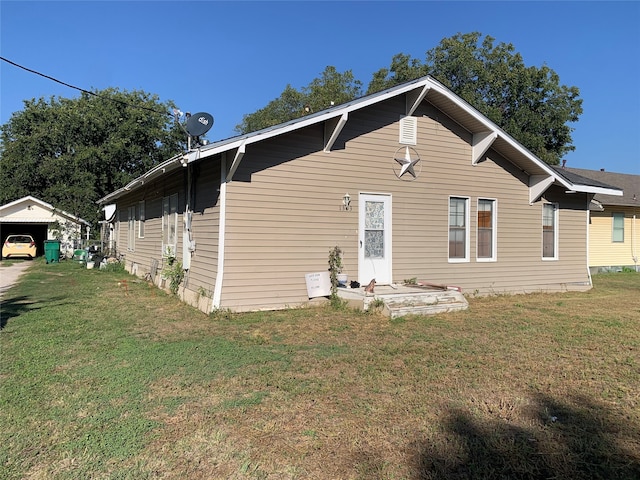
[580,440]
[14,307]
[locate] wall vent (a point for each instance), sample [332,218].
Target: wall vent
[408,130]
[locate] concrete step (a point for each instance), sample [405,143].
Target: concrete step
[422,303]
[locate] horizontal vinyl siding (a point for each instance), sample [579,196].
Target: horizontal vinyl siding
[284,212]
[205,223]
[603,252]
[201,276]
[149,248]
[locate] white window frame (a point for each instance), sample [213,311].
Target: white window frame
[614,216]
[169,219]
[466,230]
[494,230]
[555,217]
[131,228]
[141,219]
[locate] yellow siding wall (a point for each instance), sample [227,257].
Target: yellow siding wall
[603,252]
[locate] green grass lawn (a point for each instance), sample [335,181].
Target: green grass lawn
[102,379]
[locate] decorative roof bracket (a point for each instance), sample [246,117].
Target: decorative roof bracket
[538,184]
[332,129]
[414,98]
[482,141]
[237,158]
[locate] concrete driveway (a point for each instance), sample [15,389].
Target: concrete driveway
[9,275]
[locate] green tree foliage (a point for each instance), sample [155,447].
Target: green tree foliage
[71,152]
[527,102]
[332,88]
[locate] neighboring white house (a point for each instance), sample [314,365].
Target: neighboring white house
[41,220]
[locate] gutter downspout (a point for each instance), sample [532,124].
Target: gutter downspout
[217,291]
[588,241]
[634,254]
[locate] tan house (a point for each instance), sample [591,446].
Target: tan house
[411,182]
[614,233]
[41,220]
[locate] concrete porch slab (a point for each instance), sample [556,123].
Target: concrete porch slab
[400,300]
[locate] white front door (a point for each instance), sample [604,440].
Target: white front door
[374,256]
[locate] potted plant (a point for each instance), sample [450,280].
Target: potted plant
[338,279]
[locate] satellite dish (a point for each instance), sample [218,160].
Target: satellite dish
[199,124]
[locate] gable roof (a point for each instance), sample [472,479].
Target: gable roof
[485,134]
[628,183]
[46,206]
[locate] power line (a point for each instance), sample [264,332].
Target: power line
[48,77]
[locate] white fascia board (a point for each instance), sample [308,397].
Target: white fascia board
[601,190]
[156,171]
[28,220]
[416,90]
[492,127]
[28,198]
[267,133]
[70,216]
[46,206]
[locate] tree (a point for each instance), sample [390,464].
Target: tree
[527,102]
[331,88]
[72,152]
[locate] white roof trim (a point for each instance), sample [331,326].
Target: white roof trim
[593,189]
[27,220]
[417,91]
[43,204]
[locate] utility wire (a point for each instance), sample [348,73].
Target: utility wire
[83,90]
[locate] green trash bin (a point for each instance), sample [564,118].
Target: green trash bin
[52,251]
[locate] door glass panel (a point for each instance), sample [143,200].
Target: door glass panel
[374,216]
[374,230]
[373,244]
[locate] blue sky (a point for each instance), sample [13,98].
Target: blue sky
[232,58]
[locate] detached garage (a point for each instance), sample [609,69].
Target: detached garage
[42,221]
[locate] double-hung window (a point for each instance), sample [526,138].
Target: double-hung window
[486,248]
[141,219]
[169,224]
[458,229]
[617,234]
[131,231]
[550,231]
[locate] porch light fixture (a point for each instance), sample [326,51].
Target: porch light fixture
[346,202]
